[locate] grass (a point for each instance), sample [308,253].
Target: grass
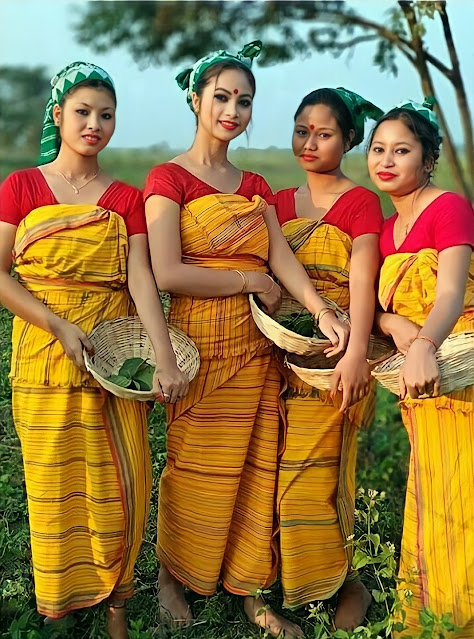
[383,456]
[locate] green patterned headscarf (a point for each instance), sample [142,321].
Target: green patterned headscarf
[425,110]
[188,79]
[360,110]
[61,83]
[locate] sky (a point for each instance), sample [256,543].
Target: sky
[153,110]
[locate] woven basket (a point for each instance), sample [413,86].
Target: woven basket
[455,359]
[120,339]
[283,337]
[317,370]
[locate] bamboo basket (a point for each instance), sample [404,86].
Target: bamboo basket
[120,339]
[282,336]
[455,359]
[317,370]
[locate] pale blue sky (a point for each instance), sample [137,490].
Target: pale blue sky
[152,109]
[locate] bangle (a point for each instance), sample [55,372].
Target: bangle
[271,287]
[245,281]
[427,339]
[324,310]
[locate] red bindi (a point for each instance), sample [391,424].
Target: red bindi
[236,91]
[311,126]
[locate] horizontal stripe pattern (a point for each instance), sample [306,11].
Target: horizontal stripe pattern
[85,452]
[437,556]
[316,483]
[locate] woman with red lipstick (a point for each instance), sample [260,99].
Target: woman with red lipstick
[332,225]
[212,241]
[78,240]
[427,292]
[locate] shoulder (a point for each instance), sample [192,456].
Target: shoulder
[22,178]
[169,180]
[359,196]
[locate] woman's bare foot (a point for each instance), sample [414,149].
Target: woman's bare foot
[267,619]
[117,621]
[352,604]
[174,608]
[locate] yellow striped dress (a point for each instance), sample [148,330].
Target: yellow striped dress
[217,491]
[316,482]
[437,556]
[85,452]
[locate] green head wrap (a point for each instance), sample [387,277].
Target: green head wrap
[425,110]
[188,79]
[360,110]
[61,83]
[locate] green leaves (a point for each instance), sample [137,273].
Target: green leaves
[301,323]
[135,373]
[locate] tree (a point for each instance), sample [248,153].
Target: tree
[173,31]
[23,95]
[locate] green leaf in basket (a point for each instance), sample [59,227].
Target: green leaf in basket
[301,323]
[120,380]
[130,367]
[144,377]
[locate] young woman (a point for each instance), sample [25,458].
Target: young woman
[333,226]
[78,238]
[427,291]
[212,240]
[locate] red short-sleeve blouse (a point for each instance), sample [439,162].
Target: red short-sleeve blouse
[26,190]
[447,221]
[178,184]
[355,213]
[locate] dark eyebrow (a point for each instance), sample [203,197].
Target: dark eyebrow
[242,95]
[379,142]
[89,106]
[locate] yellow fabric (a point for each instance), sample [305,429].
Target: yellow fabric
[85,452]
[437,557]
[222,232]
[316,483]
[217,491]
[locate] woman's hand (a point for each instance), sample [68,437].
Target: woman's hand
[403,332]
[266,289]
[169,384]
[419,374]
[336,331]
[73,340]
[352,373]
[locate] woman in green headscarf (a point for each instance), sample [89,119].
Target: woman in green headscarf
[78,239]
[213,240]
[332,225]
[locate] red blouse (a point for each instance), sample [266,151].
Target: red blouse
[448,221]
[355,213]
[26,190]
[178,184]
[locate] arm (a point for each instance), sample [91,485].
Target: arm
[420,372]
[21,303]
[353,371]
[163,220]
[292,274]
[169,382]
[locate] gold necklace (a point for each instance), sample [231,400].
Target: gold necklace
[75,188]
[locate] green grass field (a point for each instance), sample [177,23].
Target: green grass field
[382,466]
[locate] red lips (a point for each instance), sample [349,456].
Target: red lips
[308,158]
[386,175]
[227,124]
[91,139]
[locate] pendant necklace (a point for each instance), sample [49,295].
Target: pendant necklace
[76,188]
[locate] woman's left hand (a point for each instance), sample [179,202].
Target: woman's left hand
[352,373]
[337,333]
[169,384]
[419,374]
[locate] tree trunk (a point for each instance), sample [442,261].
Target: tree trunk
[461,97]
[428,89]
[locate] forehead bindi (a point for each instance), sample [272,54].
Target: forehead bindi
[236,91]
[311,126]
